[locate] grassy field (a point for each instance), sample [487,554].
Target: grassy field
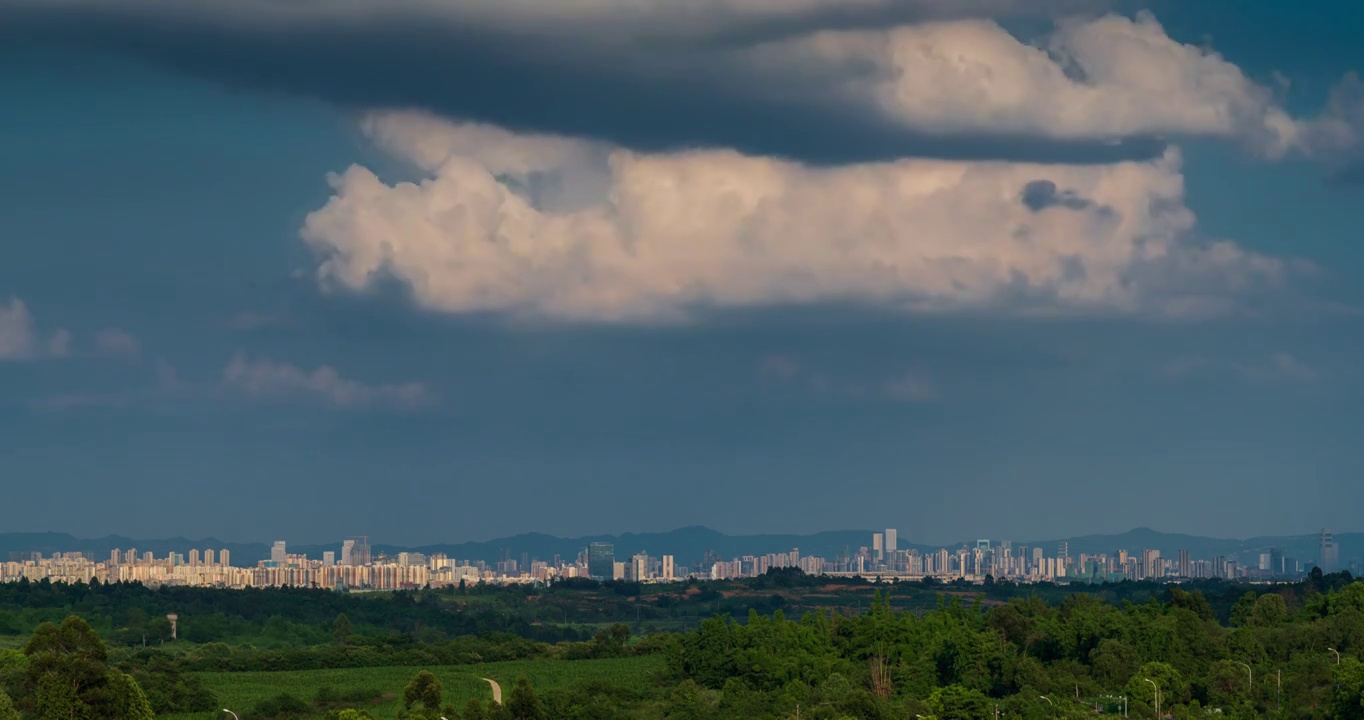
[242,691]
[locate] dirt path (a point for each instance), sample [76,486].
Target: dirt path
[497,690]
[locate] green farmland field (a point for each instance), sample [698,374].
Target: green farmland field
[242,691]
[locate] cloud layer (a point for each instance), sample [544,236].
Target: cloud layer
[264,379]
[20,338]
[491,230]
[815,80]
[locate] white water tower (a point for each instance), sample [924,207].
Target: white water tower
[172,618]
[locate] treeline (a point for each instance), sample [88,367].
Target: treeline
[127,614]
[130,614]
[1289,651]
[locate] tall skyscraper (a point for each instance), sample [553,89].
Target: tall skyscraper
[878,545]
[360,550]
[1330,552]
[208,557]
[277,554]
[668,569]
[601,561]
[347,552]
[225,558]
[1185,566]
[891,540]
[328,558]
[1062,553]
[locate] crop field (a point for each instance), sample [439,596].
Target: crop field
[243,691]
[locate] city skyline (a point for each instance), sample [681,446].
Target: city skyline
[988,267]
[985,561]
[357,550]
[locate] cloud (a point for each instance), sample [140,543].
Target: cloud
[20,338]
[1279,366]
[117,343]
[667,235]
[913,386]
[823,81]
[265,379]
[1337,137]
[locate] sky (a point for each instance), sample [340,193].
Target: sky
[447,270]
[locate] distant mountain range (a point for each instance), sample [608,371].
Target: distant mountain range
[693,543]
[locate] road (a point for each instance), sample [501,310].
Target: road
[497,690]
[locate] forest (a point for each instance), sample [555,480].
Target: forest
[871,651]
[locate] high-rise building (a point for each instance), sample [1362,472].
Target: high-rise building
[347,552]
[1330,552]
[669,571]
[1062,553]
[225,558]
[328,558]
[208,557]
[113,556]
[359,550]
[193,558]
[639,567]
[601,559]
[277,553]
[892,537]
[878,545]
[1185,564]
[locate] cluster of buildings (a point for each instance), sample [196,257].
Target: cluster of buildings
[1023,563]
[356,568]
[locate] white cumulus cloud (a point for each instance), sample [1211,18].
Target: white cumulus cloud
[267,379]
[1108,77]
[670,233]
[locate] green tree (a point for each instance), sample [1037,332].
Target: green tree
[126,700]
[474,710]
[7,711]
[56,699]
[955,702]
[1347,697]
[341,629]
[524,704]
[424,691]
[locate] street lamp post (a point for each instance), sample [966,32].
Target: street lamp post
[1278,690]
[1250,677]
[1156,689]
[1336,653]
[234,715]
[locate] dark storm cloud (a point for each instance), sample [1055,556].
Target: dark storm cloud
[590,82]
[1039,195]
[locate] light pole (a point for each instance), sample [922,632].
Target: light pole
[1336,653]
[1278,691]
[1250,676]
[1156,689]
[234,715]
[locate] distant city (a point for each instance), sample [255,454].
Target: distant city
[354,567]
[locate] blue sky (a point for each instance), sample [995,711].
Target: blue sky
[814,301]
